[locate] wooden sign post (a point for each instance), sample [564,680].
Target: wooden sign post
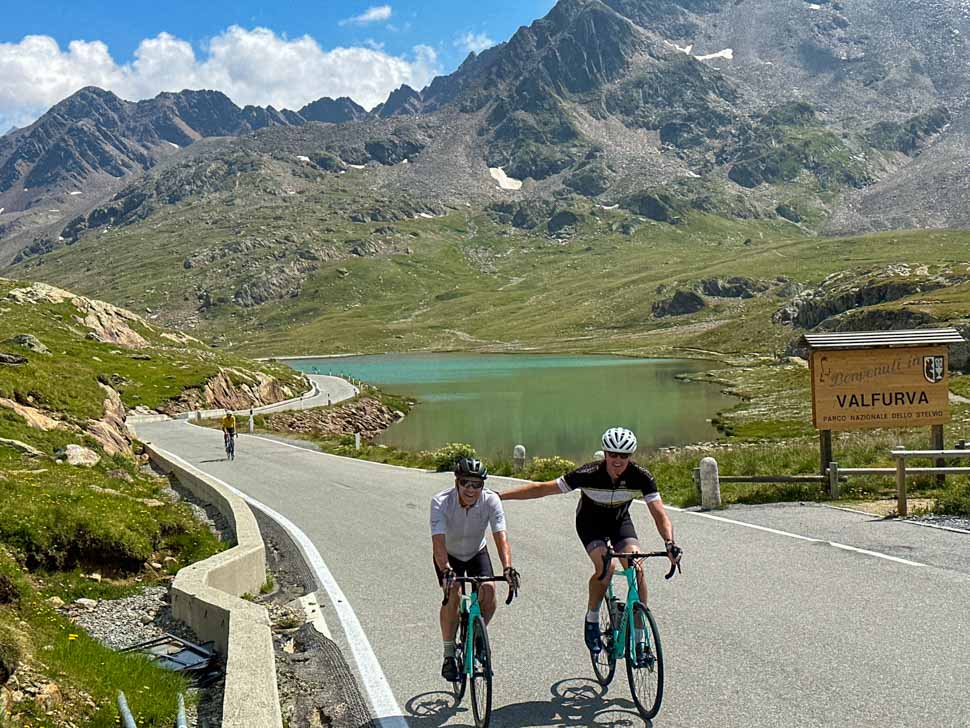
[893,379]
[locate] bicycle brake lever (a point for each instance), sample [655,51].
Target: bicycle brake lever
[673,568]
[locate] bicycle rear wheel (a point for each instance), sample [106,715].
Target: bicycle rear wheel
[604,662]
[482,675]
[647,675]
[458,686]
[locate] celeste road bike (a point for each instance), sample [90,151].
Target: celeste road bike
[472,651]
[629,631]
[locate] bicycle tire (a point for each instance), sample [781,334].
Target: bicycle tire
[646,681]
[482,675]
[604,663]
[458,686]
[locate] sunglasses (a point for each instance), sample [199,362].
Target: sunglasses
[476,484]
[620,455]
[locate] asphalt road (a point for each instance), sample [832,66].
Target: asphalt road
[761,629]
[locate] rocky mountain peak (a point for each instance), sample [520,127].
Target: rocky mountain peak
[404,101]
[333,111]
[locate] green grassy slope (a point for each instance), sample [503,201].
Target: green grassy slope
[59,522]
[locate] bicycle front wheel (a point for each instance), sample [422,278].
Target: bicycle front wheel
[645,668]
[458,686]
[604,661]
[482,675]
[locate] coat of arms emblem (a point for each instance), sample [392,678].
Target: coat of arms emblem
[933,368]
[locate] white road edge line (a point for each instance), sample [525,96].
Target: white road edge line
[775,531]
[331,455]
[387,712]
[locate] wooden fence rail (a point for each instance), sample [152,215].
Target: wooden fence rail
[836,475]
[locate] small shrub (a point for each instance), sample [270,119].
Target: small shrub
[542,469]
[445,458]
[955,500]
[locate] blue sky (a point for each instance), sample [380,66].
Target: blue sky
[279,53]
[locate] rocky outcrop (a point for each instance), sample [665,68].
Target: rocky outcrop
[33,416]
[106,323]
[110,431]
[842,292]
[365,415]
[230,389]
[733,287]
[681,303]
[878,319]
[21,447]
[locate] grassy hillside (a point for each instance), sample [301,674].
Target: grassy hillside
[60,522]
[463,280]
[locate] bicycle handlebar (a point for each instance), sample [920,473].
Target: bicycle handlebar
[478,580]
[611,554]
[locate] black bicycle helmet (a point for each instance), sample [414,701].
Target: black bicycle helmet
[471,468]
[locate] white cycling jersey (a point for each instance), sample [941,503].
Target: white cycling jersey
[464,528]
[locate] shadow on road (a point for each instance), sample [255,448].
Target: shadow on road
[573,702]
[215,460]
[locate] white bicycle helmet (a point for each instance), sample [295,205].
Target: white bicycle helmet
[619,439]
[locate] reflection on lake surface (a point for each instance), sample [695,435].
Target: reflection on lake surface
[554,405]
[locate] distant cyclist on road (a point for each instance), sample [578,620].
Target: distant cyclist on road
[603,515]
[459,517]
[228,427]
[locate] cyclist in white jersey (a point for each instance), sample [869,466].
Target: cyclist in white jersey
[603,514]
[459,517]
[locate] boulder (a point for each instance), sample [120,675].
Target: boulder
[12,359]
[29,341]
[561,220]
[681,303]
[80,456]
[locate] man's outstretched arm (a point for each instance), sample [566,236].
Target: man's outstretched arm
[531,490]
[503,548]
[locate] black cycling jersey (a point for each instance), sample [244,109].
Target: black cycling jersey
[597,485]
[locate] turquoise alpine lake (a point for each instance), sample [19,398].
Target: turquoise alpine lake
[553,405]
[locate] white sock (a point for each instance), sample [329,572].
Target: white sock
[641,634]
[593,615]
[449,648]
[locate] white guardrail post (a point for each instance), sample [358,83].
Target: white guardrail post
[710,485]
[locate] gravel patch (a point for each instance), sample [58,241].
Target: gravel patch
[956,522]
[316,685]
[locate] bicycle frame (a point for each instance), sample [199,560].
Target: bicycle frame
[467,611]
[624,635]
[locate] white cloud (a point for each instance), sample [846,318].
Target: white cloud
[476,42]
[250,66]
[372,15]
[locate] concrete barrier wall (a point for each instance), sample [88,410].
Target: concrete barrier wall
[142,419]
[205,596]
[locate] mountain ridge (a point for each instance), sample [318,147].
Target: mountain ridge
[808,118]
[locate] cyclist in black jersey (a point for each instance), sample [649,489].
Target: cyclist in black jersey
[607,488]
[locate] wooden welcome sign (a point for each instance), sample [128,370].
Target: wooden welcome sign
[882,387]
